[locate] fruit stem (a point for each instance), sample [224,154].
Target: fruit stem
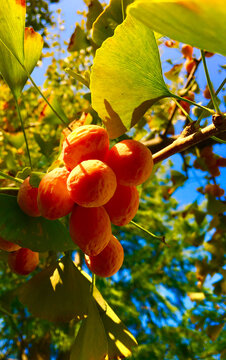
[210,103]
[183,110]
[161,238]
[23,129]
[123,10]
[193,103]
[93,283]
[210,85]
[6,176]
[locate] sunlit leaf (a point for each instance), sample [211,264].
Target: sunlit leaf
[78,40]
[59,292]
[35,233]
[48,116]
[174,72]
[200,23]
[12,20]
[15,139]
[120,340]
[108,20]
[126,78]
[91,341]
[10,68]
[196,296]
[95,9]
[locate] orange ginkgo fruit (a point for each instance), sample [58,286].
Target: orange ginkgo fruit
[92,183]
[8,245]
[23,261]
[90,228]
[123,206]
[85,143]
[131,162]
[54,200]
[27,198]
[109,261]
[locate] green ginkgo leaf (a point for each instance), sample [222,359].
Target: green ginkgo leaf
[35,233]
[59,292]
[108,20]
[126,78]
[91,341]
[200,23]
[78,40]
[12,20]
[11,69]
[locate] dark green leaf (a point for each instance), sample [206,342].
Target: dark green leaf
[59,292]
[35,233]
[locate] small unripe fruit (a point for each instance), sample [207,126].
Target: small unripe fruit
[23,261]
[109,261]
[184,104]
[85,143]
[54,200]
[170,43]
[206,93]
[131,162]
[187,51]
[189,64]
[27,198]
[8,246]
[123,206]
[91,183]
[214,190]
[208,54]
[90,229]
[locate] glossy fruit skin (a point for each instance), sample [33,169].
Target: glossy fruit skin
[8,246]
[90,229]
[123,206]
[85,143]
[109,261]
[54,200]
[27,198]
[131,162]
[189,64]
[187,51]
[23,261]
[91,183]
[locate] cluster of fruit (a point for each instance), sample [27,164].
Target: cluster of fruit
[98,187]
[208,161]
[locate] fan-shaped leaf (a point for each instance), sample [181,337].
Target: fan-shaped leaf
[200,23]
[12,70]
[35,233]
[91,341]
[108,20]
[12,20]
[126,78]
[59,292]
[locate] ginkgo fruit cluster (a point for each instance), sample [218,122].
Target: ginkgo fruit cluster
[97,187]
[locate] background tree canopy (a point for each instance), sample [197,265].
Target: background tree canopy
[170,292]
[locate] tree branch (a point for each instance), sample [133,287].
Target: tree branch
[184,142]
